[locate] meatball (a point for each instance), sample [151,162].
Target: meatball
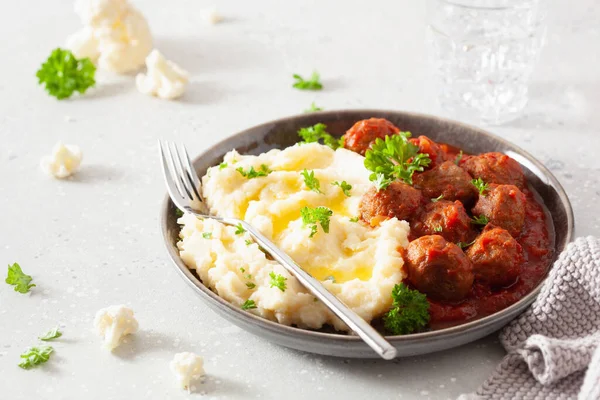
[504,206]
[438,268]
[447,219]
[362,135]
[496,257]
[426,145]
[494,168]
[447,180]
[397,200]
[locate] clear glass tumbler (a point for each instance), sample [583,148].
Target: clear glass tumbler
[482,54]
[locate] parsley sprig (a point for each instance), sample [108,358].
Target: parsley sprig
[313,216]
[19,279]
[409,312]
[252,173]
[62,74]
[313,108]
[51,335]
[480,220]
[345,186]
[440,197]
[35,356]
[311,182]
[318,132]
[278,281]
[313,83]
[239,229]
[394,158]
[248,305]
[464,245]
[480,185]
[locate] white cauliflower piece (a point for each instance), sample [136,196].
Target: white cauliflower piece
[163,79]
[187,367]
[115,33]
[113,323]
[63,162]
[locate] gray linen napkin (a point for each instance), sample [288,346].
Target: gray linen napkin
[554,346]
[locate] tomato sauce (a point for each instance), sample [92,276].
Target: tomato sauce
[482,301]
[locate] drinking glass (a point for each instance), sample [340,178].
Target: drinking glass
[482,54]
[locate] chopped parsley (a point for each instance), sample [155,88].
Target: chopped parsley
[252,173]
[438,229]
[250,285]
[313,216]
[313,108]
[394,158]
[314,83]
[62,74]
[480,220]
[51,334]
[278,281]
[345,186]
[459,157]
[239,229]
[440,197]
[480,185]
[248,305]
[249,242]
[242,270]
[178,213]
[354,219]
[409,312]
[464,245]
[317,132]
[223,165]
[207,235]
[19,279]
[35,356]
[310,181]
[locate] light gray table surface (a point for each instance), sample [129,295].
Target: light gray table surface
[93,240]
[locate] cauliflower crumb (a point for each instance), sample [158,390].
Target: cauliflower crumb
[63,162]
[163,79]
[212,16]
[187,367]
[113,323]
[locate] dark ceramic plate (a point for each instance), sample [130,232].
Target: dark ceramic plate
[282,133]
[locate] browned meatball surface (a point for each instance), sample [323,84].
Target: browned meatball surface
[438,268]
[428,146]
[447,219]
[494,168]
[397,200]
[447,180]
[504,206]
[362,135]
[496,257]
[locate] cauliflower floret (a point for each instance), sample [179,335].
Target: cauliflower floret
[187,367]
[113,323]
[115,34]
[63,162]
[163,79]
[212,16]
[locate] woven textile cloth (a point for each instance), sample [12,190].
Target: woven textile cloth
[554,346]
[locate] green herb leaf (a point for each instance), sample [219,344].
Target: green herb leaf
[354,219]
[248,304]
[312,216]
[207,235]
[178,213]
[19,279]
[394,158]
[464,245]
[315,133]
[35,356]
[242,270]
[345,186]
[313,108]
[480,220]
[409,312]
[223,165]
[310,181]
[252,173]
[62,74]
[239,229]
[480,185]
[459,157]
[438,229]
[51,334]
[278,281]
[249,242]
[250,285]
[314,83]
[440,197]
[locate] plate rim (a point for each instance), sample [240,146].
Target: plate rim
[480,323]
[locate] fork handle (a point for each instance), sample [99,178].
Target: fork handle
[362,328]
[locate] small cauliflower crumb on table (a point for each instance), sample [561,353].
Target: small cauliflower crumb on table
[94,240]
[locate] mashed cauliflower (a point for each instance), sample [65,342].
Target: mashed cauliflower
[357,263]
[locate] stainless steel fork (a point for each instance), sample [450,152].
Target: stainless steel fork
[185,190]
